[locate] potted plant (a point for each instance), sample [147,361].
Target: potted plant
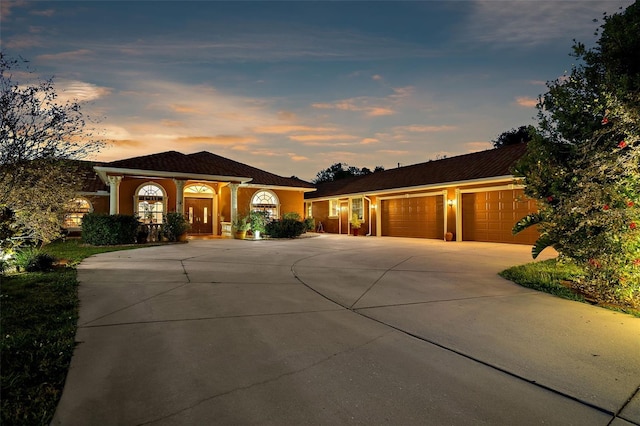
[258,221]
[175,226]
[240,227]
[356,223]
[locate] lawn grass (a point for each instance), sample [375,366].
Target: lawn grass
[37,335]
[546,276]
[549,275]
[74,250]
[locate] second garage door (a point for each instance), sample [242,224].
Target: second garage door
[419,217]
[490,216]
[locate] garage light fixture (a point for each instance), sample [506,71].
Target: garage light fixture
[451,203]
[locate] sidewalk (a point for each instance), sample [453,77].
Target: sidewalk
[336,330]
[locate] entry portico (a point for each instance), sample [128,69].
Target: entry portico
[212,191]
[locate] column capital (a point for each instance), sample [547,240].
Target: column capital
[114,180]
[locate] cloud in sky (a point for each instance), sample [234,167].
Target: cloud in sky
[294,87]
[280,129]
[66,56]
[526,101]
[417,128]
[215,140]
[80,91]
[356,105]
[322,138]
[529,23]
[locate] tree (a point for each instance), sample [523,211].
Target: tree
[514,136]
[339,171]
[584,164]
[39,138]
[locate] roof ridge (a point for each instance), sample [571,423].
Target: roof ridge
[484,151]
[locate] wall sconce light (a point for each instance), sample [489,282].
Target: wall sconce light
[373,206]
[451,203]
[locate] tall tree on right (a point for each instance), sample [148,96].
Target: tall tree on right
[583,163]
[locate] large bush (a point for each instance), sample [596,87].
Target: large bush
[583,165]
[285,228]
[101,229]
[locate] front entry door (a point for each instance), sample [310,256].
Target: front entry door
[344,217]
[199,212]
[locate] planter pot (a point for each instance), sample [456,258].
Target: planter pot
[182,237]
[448,236]
[256,235]
[355,232]
[241,235]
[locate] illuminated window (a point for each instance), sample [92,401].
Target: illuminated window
[150,201]
[309,209]
[76,208]
[266,201]
[198,189]
[357,207]
[334,208]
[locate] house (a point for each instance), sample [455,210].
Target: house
[209,189]
[474,197]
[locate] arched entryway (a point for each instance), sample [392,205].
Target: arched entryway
[199,208]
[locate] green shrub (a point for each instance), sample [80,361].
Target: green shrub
[291,215]
[175,224]
[31,259]
[258,220]
[310,224]
[101,229]
[285,228]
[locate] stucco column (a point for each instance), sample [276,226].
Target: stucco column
[114,193]
[180,195]
[234,201]
[446,213]
[458,215]
[378,217]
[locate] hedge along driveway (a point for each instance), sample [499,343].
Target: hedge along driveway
[340,329]
[102,229]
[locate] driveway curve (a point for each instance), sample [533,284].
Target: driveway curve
[340,330]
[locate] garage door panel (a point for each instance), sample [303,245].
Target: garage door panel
[490,216]
[421,217]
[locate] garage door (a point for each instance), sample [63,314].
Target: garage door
[490,216]
[420,217]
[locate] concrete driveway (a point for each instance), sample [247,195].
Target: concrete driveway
[340,330]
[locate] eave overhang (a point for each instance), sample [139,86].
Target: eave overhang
[418,188]
[103,172]
[284,188]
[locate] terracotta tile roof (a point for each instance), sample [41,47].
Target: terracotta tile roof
[205,163]
[259,176]
[477,165]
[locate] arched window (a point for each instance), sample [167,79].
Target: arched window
[150,200]
[266,201]
[76,209]
[199,189]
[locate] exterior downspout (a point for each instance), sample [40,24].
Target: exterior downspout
[369,200]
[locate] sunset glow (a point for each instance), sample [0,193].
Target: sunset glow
[293,87]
